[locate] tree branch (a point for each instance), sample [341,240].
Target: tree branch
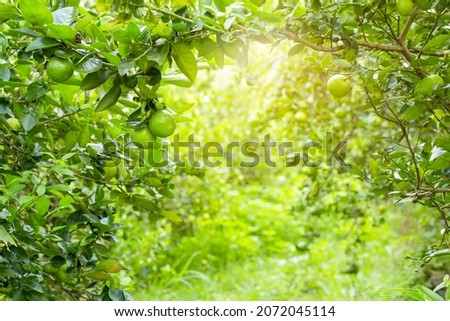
[376,46]
[361,43]
[296,38]
[407,26]
[401,42]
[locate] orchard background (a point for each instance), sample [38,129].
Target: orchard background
[93,206]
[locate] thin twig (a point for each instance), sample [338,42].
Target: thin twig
[370,45]
[174,15]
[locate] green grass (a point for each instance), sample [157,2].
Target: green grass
[247,242]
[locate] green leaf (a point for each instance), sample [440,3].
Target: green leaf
[436,153]
[5,237]
[5,73]
[296,49]
[439,41]
[116,295]
[430,295]
[64,16]
[447,294]
[222,4]
[423,4]
[109,266]
[26,31]
[29,119]
[109,99]
[98,275]
[115,60]
[84,137]
[443,142]
[35,12]
[177,80]
[171,216]
[57,261]
[206,47]
[8,12]
[36,90]
[61,32]
[144,202]
[125,67]
[41,43]
[413,112]
[182,107]
[145,90]
[94,80]
[122,36]
[88,65]
[133,30]
[182,119]
[185,60]
[299,9]
[159,55]
[425,86]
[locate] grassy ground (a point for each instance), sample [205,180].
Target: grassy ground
[249,243]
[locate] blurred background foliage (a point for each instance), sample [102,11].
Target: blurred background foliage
[284,232]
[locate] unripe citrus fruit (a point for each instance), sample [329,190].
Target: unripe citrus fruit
[338,85]
[14,123]
[405,7]
[110,170]
[142,137]
[162,123]
[50,268]
[59,69]
[437,80]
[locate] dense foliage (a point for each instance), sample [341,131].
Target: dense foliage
[89,93]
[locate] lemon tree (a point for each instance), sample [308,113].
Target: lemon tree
[81,77]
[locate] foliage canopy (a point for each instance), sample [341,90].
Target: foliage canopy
[70,167]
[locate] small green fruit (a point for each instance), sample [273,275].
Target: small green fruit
[142,137]
[59,69]
[405,7]
[162,123]
[437,80]
[338,86]
[14,124]
[110,170]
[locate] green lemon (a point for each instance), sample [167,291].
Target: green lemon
[142,137]
[162,123]
[50,268]
[338,85]
[405,7]
[14,123]
[62,276]
[110,170]
[59,69]
[437,80]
